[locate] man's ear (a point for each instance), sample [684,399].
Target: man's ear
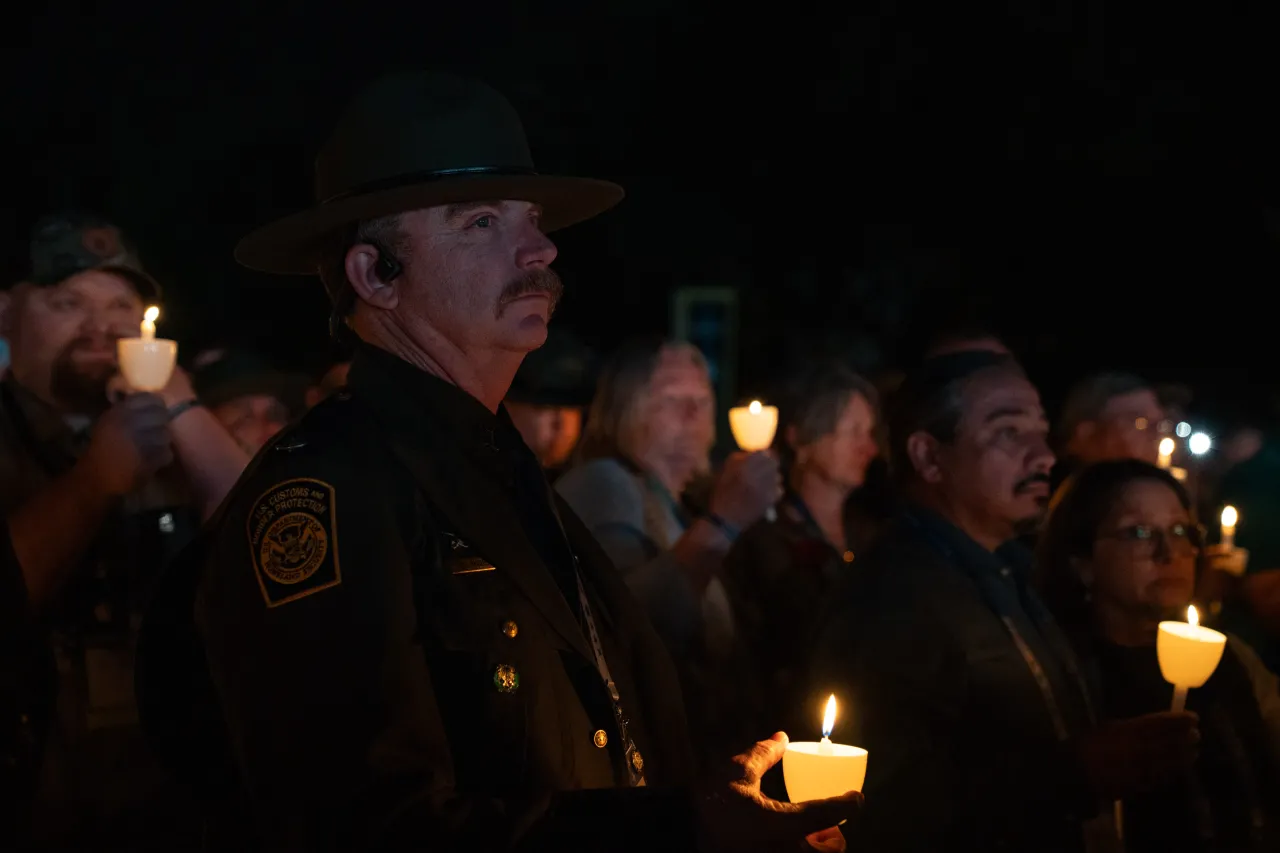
[361,266]
[922,450]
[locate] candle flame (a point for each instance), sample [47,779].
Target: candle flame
[1166,446]
[1229,516]
[829,718]
[755,407]
[1193,618]
[151,315]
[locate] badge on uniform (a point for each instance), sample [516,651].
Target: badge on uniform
[462,559]
[293,540]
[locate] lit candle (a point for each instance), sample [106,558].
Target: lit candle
[1229,519]
[825,747]
[1188,654]
[146,361]
[1166,453]
[816,771]
[753,427]
[149,323]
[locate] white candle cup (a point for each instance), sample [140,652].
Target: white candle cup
[753,428]
[816,771]
[1188,656]
[147,363]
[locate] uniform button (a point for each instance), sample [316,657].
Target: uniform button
[510,628]
[848,556]
[600,739]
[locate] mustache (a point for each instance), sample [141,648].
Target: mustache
[539,281]
[1024,483]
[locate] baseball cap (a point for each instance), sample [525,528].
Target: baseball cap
[65,244]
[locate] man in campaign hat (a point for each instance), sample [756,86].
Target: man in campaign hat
[404,639]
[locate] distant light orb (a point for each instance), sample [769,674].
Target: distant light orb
[1183,429]
[1199,444]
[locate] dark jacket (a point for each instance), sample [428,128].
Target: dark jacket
[778,575]
[930,679]
[394,655]
[1231,803]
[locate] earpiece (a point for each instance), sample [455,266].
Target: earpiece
[387,267]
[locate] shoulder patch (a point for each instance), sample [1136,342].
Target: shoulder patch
[293,540]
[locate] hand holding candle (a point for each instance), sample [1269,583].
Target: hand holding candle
[753,428]
[146,361]
[816,771]
[1229,519]
[1188,654]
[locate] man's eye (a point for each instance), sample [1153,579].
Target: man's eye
[483,222]
[1139,532]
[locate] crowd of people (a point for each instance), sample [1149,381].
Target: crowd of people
[549,592]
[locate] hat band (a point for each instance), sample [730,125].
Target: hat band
[426,177]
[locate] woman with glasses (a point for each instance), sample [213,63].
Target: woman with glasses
[1119,553]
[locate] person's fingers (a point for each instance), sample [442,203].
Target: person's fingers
[829,840]
[766,753]
[800,820]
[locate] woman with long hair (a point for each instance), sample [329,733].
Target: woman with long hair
[1119,553]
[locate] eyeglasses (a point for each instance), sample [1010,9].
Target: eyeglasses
[1147,539]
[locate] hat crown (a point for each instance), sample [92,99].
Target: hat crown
[419,124]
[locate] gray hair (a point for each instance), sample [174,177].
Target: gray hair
[1089,397]
[613,427]
[814,402]
[386,233]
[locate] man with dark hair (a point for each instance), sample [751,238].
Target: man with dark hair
[964,338]
[395,636]
[957,680]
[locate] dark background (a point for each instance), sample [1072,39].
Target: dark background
[1094,183]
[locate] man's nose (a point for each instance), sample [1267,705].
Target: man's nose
[536,248]
[96,322]
[1042,456]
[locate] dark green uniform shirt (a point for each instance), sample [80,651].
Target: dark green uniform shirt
[387,613]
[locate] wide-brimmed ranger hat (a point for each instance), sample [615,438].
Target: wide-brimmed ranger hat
[418,140]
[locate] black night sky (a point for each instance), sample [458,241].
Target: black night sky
[1094,182]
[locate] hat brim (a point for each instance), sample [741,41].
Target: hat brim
[291,246]
[148,289]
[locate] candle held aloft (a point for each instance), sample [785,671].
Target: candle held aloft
[1229,520]
[149,323]
[1166,453]
[753,426]
[1188,654]
[815,771]
[147,362]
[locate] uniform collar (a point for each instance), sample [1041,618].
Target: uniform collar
[416,399]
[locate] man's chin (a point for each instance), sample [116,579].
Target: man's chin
[1030,522]
[525,333]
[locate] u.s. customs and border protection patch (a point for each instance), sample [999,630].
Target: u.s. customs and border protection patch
[293,540]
